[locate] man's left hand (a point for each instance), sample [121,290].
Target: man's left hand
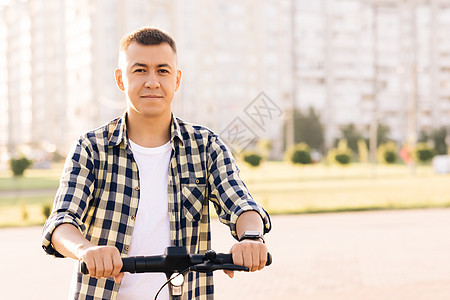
[249,253]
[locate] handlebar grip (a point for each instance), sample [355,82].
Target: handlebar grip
[83,268]
[228,258]
[129,265]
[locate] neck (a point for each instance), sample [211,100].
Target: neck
[148,132]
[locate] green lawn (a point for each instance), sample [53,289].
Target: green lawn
[21,199]
[33,179]
[280,187]
[284,188]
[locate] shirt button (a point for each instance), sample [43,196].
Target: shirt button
[133,218]
[197,181]
[136,188]
[127,248]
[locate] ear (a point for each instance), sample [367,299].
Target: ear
[178,80]
[119,79]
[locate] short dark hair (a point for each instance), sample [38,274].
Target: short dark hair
[147,36]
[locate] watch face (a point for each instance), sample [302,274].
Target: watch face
[252,235]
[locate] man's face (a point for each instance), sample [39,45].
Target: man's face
[149,77]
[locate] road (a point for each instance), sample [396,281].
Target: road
[366,255]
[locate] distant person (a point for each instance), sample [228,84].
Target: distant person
[144,182]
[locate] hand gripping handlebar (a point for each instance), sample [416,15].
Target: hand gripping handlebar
[177,259]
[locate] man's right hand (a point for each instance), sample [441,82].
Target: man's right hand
[102,261]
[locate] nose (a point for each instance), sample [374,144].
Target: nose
[152,81]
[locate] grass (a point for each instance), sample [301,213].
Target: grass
[281,188]
[13,215]
[34,179]
[22,199]
[285,189]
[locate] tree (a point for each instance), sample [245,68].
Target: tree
[308,129]
[438,137]
[351,135]
[423,137]
[19,165]
[383,132]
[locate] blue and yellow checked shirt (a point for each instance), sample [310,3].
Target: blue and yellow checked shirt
[99,194]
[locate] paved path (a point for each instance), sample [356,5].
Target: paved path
[367,255]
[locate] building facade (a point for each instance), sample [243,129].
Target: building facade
[363,62]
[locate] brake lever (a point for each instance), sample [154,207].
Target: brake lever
[231,267]
[210,267]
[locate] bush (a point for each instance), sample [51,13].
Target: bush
[424,153]
[342,154]
[252,158]
[342,158]
[387,153]
[300,154]
[19,165]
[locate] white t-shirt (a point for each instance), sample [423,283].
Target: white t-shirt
[151,234]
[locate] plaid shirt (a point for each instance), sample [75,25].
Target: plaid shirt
[99,194]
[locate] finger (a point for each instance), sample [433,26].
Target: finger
[248,258]
[119,277]
[238,259]
[262,258]
[99,267]
[107,266]
[117,265]
[90,265]
[255,259]
[229,273]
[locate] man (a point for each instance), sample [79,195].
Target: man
[144,182]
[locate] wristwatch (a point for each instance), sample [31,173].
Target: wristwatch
[252,235]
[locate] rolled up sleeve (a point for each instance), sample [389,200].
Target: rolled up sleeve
[228,192]
[72,198]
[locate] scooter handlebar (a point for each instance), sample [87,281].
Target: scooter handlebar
[161,263]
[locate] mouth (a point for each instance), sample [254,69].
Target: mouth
[151,96]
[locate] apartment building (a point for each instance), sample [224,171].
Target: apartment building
[230,53]
[3,89]
[354,61]
[373,61]
[59,60]
[93,31]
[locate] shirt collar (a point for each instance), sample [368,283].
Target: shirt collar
[175,131]
[117,131]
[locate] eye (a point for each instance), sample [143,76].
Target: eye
[163,71]
[139,71]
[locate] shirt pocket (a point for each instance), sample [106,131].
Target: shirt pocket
[193,197]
